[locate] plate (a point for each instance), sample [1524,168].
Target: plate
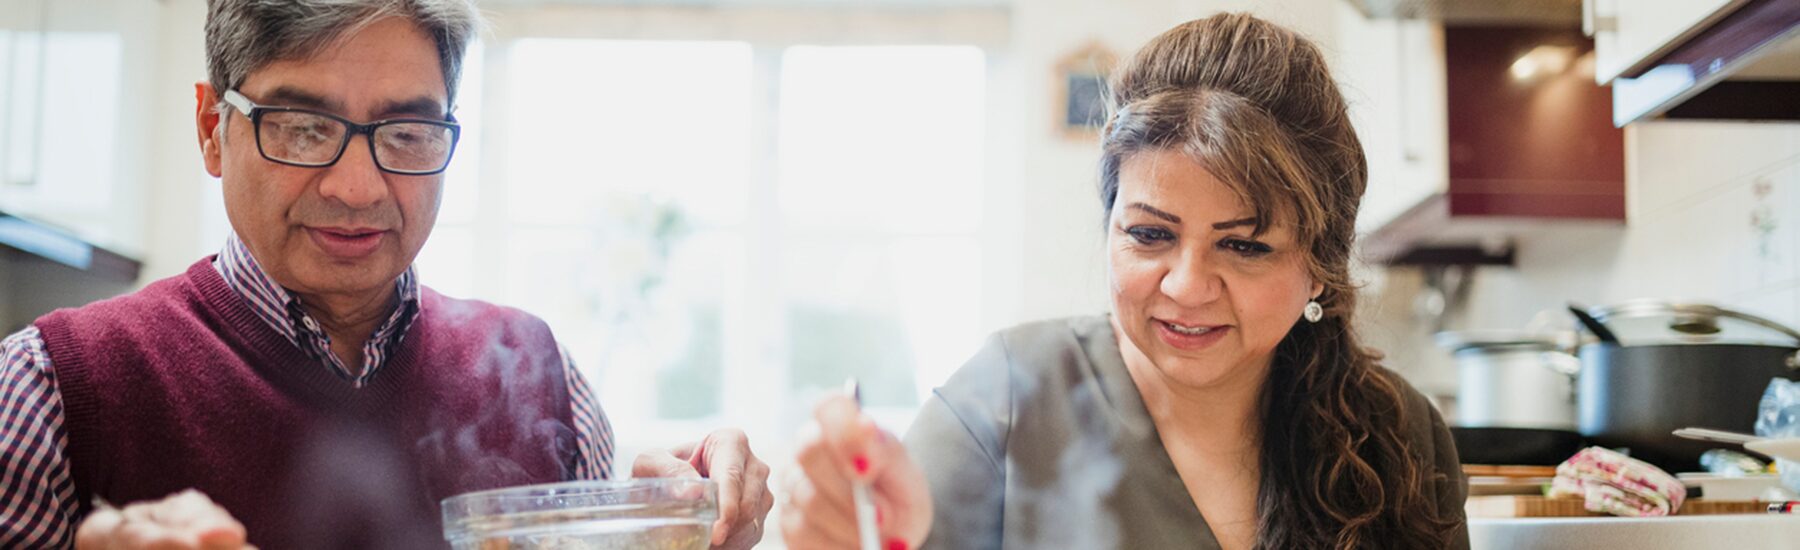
[1787,447]
[1716,487]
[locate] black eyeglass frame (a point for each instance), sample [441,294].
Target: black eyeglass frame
[255,113]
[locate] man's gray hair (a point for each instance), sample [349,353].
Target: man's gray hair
[243,36]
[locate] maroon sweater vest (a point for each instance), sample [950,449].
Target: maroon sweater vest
[181,385]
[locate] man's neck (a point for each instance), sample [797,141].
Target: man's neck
[350,319]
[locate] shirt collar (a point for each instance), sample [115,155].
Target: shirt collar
[281,310]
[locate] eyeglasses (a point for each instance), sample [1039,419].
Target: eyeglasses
[301,137]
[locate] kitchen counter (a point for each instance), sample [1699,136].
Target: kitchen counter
[1738,531]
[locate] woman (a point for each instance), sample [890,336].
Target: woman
[1225,402]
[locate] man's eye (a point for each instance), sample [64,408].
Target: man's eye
[305,133]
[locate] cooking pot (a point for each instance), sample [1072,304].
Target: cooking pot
[1512,379]
[1515,397]
[1676,365]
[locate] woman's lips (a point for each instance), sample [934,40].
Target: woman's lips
[1187,341]
[346,243]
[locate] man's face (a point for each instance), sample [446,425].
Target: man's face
[348,228]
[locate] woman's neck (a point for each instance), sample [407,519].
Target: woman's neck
[1221,421]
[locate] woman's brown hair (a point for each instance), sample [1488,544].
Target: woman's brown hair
[1255,105]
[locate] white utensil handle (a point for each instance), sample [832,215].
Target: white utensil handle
[865,517]
[1706,434]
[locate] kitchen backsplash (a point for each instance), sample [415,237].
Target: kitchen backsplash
[1714,215]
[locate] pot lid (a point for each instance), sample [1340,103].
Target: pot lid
[1457,340]
[1641,322]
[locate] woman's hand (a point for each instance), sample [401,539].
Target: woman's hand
[185,521]
[840,448]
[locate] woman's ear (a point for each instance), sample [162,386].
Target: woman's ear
[1318,289]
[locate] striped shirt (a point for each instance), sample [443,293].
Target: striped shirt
[37,496]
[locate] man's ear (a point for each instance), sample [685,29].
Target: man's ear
[208,125]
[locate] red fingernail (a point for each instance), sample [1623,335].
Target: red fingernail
[896,544]
[861,463]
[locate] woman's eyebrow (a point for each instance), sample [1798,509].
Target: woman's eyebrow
[1171,218]
[1240,222]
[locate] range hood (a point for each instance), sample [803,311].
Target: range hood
[1476,12]
[1743,63]
[38,240]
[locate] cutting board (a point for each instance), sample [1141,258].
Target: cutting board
[1521,506]
[1489,470]
[1483,486]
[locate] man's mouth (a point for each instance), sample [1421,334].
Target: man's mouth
[349,233]
[347,242]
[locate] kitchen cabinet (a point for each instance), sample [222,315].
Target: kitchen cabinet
[1628,33]
[1391,72]
[1530,148]
[74,110]
[1740,61]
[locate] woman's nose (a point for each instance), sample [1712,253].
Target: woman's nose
[1192,281]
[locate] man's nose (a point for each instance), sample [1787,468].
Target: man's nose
[355,180]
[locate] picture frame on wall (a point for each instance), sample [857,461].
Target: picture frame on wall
[1081,80]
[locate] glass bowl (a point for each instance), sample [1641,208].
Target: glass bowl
[654,514]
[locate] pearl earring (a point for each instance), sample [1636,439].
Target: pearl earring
[1314,311]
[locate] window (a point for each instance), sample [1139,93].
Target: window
[692,216]
[880,196]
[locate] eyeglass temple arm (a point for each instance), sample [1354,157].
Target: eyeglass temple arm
[238,101]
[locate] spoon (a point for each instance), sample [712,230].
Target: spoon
[1720,436]
[1594,325]
[859,490]
[1778,447]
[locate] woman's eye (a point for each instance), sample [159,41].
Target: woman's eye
[1150,235]
[1248,249]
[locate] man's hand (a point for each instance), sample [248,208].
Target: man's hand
[183,521]
[723,456]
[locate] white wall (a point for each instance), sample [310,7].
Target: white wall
[186,207]
[1045,257]
[1060,269]
[1694,190]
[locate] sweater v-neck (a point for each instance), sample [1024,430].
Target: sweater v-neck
[285,364]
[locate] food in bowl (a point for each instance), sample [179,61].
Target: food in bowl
[653,514]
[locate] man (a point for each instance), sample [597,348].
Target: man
[301,389]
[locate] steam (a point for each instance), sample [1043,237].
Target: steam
[355,487]
[483,462]
[351,489]
[1083,482]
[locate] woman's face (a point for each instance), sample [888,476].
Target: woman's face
[1193,292]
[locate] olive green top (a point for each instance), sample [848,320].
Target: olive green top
[1042,441]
